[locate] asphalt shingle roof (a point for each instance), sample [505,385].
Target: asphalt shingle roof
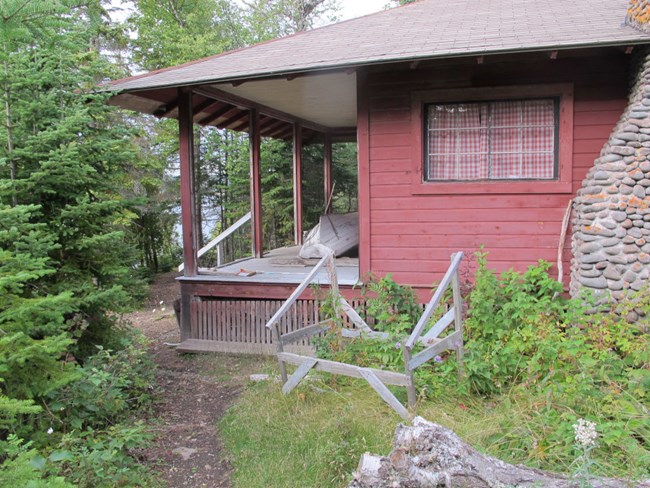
[426,29]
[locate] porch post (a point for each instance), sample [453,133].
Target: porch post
[363,155]
[297,183]
[186,152]
[256,182]
[327,174]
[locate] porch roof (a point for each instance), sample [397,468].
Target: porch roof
[290,73]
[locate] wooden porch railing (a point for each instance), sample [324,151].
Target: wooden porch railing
[219,239]
[377,378]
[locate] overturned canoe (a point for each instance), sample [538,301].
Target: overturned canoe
[339,232]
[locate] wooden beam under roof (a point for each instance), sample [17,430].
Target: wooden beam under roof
[273,128]
[203,106]
[166,109]
[209,91]
[266,122]
[234,118]
[282,132]
[216,114]
[242,125]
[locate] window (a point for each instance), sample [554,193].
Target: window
[495,140]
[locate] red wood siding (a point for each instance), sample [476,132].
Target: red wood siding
[412,235]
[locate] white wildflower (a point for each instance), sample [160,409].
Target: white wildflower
[586,434]
[163,309]
[50,430]
[153,311]
[162,301]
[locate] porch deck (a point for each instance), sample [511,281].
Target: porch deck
[227,307]
[278,266]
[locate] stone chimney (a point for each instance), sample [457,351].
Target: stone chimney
[611,227]
[638,15]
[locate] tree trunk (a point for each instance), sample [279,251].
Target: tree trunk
[429,455]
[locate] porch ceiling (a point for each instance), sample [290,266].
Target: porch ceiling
[326,99]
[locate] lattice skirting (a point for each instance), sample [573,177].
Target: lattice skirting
[238,325]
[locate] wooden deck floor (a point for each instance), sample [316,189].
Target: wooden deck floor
[279,266]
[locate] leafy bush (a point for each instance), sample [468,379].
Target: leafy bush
[19,469]
[390,308]
[104,458]
[529,349]
[83,429]
[564,359]
[112,384]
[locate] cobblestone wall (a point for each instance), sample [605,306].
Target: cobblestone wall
[611,237]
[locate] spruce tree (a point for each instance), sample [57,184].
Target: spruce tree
[65,266]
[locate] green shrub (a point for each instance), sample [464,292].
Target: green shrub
[389,307]
[112,384]
[104,458]
[530,349]
[20,470]
[565,360]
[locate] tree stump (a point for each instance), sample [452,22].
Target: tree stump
[429,455]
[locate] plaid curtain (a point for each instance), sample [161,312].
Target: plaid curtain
[492,140]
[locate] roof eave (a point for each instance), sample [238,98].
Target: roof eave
[114,86]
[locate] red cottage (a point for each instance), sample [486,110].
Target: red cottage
[476,123]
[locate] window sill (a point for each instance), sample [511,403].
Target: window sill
[490,187]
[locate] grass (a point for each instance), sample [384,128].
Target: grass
[315,436]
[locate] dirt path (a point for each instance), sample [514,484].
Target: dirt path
[195,391]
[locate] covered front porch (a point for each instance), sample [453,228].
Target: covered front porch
[233,284]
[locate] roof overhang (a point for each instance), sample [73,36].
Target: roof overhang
[328,100]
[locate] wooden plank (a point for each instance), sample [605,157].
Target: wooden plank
[469,202]
[410,388]
[480,214]
[203,346]
[438,327]
[327,170]
[224,110]
[353,315]
[205,318]
[387,377]
[221,237]
[306,332]
[255,318]
[352,334]
[193,333]
[298,291]
[297,183]
[220,320]
[385,393]
[302,370]
[364,157]
[209,322]
[256,183]
[332,275]
[446,343]
[458,321]
[186,155]
[433,303]
[212,323]
[490,227]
